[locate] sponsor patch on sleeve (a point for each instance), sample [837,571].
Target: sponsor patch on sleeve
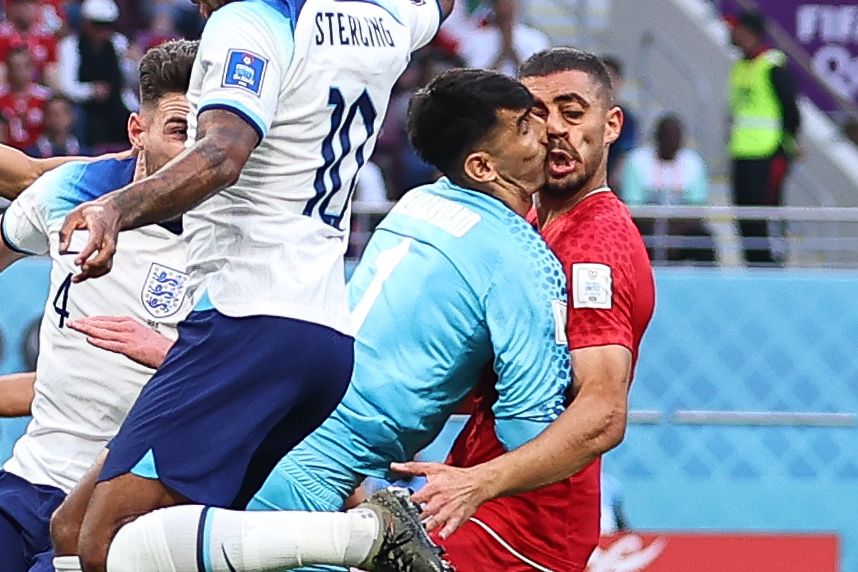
[244,70]
[592,286]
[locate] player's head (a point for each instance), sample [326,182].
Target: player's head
[668,136]
[477,128]
[20,67]
[208,6]
[747,30]
[574,95]
[160,129]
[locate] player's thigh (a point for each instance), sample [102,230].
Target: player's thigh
[471,549]
[115,503]
[67,519]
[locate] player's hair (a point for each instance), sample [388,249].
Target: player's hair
[556,60]
[166,68]
[456,112]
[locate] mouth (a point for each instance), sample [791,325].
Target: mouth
[560,164]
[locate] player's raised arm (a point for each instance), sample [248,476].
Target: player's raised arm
[16,394]
[214,163]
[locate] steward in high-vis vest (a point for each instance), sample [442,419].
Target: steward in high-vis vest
[765,124]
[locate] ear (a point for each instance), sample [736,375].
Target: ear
[480,167]
[613,124]
[136,130]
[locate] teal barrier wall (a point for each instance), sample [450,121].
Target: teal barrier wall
[776,342]
[724,341]
[23,291]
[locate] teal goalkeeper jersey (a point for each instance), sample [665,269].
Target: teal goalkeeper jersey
[452,282]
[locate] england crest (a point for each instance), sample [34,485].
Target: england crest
[163,290]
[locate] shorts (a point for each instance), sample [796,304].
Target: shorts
[25,518]
[232,398]
[473,548]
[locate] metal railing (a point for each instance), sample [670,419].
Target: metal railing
[806,236]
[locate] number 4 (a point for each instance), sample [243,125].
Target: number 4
[63,291]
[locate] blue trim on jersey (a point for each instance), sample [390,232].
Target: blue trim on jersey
[8,242]
[75,183]
[243,112]
[388,7]
[441,16]
[145,467]
[204,304]
[202,546]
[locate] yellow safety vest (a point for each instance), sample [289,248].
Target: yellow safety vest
[757,130]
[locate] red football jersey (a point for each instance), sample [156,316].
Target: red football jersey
[41,43]
[25,114]
[611,301]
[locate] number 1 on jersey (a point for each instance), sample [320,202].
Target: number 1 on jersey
[385,263]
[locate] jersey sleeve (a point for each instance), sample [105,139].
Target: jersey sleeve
[243,54]
[24,225]
[601,285]
[525,313]
[423,18]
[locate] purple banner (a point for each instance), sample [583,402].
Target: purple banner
[827,33]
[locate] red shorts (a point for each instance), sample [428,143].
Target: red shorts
[473,549]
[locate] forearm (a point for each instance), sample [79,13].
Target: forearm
[587,429]
[185,182]
[16,394]
[17,172]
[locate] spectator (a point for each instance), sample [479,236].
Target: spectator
[504,42]
[765,124]
[22,101]
[669,174]
[94,66]
[629,135]
[22,28]
[57,139]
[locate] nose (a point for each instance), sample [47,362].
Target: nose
[555,125]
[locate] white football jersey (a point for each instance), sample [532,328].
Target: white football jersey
[83,393]
[314,79]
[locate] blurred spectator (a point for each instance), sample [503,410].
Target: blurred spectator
[394,154]
[161,27]
[22,28]
[22,100]
[503,43]
[765,124]
[52,17]
[628,139]
[94,66]
[57,139]
[669,174]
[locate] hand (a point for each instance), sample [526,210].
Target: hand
[449,498]
[101,219]
[125,336]
[100,90]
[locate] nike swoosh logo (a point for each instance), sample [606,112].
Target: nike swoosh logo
[225,557]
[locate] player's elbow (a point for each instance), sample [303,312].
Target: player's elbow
[614,420]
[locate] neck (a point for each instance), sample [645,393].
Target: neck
[666,156]
[140,170]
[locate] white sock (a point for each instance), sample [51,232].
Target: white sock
[170,540]
[67,564]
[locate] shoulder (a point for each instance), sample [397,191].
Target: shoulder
[692,158]
[599,229]
[263,13]
[639,156]
[77,182]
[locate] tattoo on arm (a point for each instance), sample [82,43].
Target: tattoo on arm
[214,163]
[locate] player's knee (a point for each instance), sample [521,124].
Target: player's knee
[144,544]
[65,530]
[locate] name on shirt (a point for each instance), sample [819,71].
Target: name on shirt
[437,211]
[336,29]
